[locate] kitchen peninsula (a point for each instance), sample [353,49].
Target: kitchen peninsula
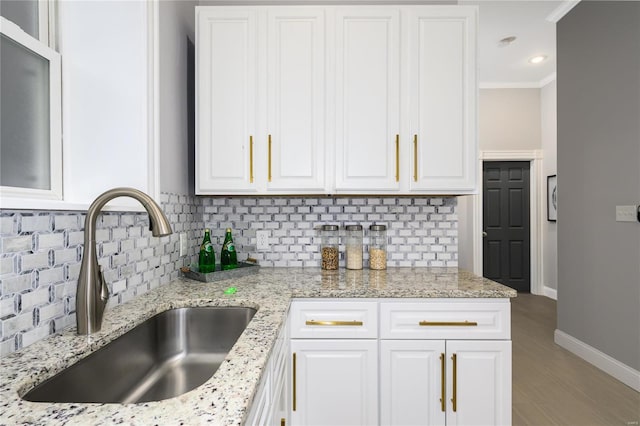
[227,397]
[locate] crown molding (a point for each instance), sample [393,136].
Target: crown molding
[559,12]
[518,85]
[548,79]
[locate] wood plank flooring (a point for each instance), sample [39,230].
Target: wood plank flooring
[552,386]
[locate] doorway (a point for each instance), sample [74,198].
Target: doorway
[506,223]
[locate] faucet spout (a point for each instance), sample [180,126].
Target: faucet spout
[92,293]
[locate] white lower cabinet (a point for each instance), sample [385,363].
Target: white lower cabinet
[334,362]
[411,377]
[335,382]
[445,361]
[270,405]
[437,382]
[389,362]
[478,382]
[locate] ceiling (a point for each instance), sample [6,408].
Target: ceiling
[533,23]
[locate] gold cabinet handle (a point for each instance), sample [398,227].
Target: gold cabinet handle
[448,323]
[282,422]
[294,382]
[269,138]
[454,400]
[397,158]
[251,159]
[443,385]
[415,158]
[352,323]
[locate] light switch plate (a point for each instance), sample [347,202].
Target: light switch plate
[183,244]
[626,213]
[262,240]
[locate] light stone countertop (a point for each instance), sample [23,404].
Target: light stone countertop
[225,398]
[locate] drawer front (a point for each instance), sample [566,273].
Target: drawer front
[446,319]
[334,320]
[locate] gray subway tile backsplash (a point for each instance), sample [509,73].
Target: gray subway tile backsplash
[41,251]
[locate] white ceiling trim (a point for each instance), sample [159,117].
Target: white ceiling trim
[559,12]
[510,85]
[548,79]
[518,84]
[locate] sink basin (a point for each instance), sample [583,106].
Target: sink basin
[165,356]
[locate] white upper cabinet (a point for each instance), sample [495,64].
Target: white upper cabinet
[226,99]
[336,99]
[295,83]
[442,98]
[261,100]
[367,103]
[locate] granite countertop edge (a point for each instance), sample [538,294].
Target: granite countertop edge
[227,395]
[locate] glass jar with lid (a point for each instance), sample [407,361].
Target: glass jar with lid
[353,246]
[378,247]
[329,240]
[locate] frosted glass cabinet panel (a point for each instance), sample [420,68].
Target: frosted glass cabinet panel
[30,138]
[24,144]
[23,13]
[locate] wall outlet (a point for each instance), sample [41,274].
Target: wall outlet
[183,244]
[262,240]
[626,213]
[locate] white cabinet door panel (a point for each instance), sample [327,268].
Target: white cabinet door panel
[411,377]
[296,98]
[482,382]
[226,56]
[367,98]
[336,382]
[442,79]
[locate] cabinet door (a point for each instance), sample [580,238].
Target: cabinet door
[226,90]
[412,373]
[334,382]
[442,98]
[296,99]
[367,98]
[479,381]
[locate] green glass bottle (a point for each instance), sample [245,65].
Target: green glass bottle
[207,259]
[228,257]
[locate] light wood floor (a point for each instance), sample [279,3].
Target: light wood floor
[551,386]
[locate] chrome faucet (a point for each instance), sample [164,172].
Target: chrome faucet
[92,294]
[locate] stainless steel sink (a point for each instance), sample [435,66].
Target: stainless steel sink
[165,356]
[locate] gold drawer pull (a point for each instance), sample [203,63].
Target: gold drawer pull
[269,148]
[397,158]
[443,385]
[448,323]
[294,381]
[415,158]
[454,400]
[352,323]
[251,159]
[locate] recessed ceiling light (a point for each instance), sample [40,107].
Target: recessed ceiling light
[507,41]
[537,59]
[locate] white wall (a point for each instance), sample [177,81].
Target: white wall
[548,118]
[509,119]
[177,25]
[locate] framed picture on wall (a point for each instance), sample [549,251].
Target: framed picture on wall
[552,198]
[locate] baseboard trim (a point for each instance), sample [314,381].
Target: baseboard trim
[604,362]
[551,293]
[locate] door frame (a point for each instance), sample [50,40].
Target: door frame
[536,203]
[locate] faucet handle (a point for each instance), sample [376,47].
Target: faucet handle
[104,290]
